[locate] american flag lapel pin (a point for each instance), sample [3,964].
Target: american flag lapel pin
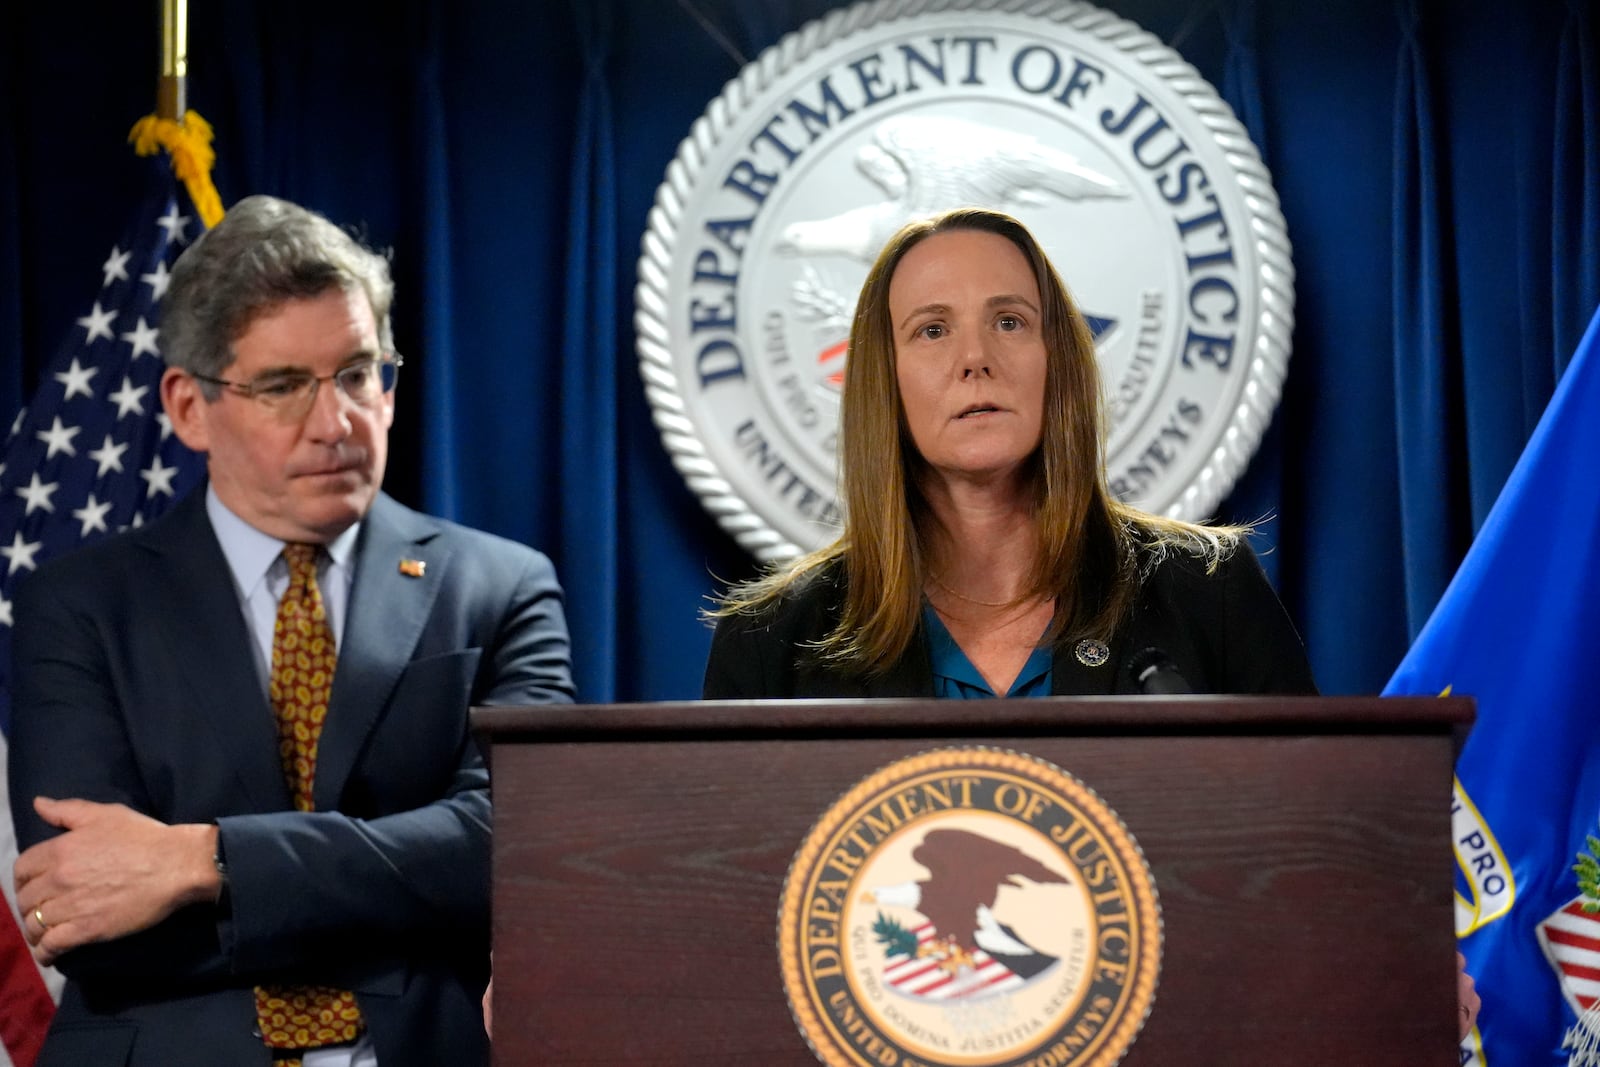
[413,568]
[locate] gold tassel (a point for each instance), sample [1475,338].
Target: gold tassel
[188,143]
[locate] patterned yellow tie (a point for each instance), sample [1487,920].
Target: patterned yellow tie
[303,658]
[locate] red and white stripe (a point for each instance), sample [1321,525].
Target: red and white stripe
[1571,941]
[921,976]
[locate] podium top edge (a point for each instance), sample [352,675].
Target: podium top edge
[1188,715]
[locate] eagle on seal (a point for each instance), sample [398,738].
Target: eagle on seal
[965,874]
[927,165]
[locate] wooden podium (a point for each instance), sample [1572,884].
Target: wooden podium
[1300,848]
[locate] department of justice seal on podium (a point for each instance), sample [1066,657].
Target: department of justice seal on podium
[974,907]
[1135,176]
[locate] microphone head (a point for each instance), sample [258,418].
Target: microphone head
[1154,673]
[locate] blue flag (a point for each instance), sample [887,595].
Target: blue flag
[92,454]
[1518,629]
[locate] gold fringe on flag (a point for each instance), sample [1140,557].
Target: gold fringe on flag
[188,142]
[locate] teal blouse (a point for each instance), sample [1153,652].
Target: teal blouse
[955,678]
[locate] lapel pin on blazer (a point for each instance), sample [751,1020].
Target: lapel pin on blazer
[1092,653]
[413,568]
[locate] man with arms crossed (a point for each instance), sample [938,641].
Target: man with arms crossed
[255,827]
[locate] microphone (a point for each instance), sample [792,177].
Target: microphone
[1155,674]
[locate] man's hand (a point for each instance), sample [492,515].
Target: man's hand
[113,873]
[488,1000]
[1467,1000]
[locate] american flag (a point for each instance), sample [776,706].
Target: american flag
[926,978]
[92,454]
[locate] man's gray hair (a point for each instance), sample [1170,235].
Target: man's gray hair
[264,252]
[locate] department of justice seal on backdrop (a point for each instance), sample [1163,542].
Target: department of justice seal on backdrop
[1135,176]
[969,906]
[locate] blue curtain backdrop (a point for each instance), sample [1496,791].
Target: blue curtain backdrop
[1439,165]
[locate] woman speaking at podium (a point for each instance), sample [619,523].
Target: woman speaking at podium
[982,552]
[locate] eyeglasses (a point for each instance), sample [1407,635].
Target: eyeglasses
[289,394]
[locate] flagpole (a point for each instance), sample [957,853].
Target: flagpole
[170,102]
[185,135]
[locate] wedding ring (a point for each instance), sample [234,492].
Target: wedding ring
[38,916]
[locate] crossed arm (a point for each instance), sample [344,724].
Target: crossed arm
[117,876]
[113,872]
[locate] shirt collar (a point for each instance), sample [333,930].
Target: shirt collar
[251,553]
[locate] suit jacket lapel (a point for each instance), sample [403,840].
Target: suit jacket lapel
[211,649]
[388,610]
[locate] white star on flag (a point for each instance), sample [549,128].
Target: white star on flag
[76,379]
[37,494]
[98,323]
[5,612]
[158,479]
[20,553]
[58,438]
[158,280]
[174,223]
[92,515]
[128,399]
[165,422]
[115,267]
[143,339]
[108,456]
